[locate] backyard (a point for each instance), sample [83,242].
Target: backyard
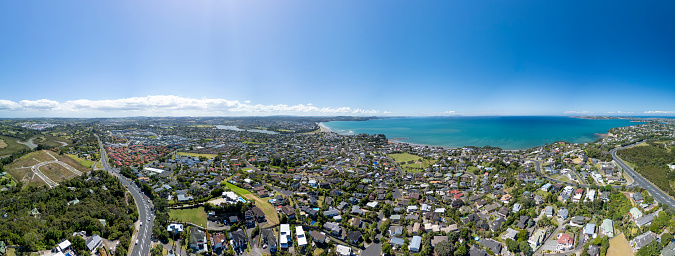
[194,215]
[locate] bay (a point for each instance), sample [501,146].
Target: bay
[506,132]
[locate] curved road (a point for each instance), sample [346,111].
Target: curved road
[144,234]
[641,181]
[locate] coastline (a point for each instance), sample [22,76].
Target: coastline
[405,139]
[325,128]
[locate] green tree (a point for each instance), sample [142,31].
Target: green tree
[444,248]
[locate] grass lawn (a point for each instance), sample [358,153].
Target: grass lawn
[254,143]
[418,167]
[83,162]
[318,251]
[194,215]
[619,246]
[404,157]
[195,154]
[236,189]
[267,208]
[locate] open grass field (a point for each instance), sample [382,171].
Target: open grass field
[71,162]
[194,215]
[404,157]
[619,246]
[267,208]
[83,162]
[10,146]
[418,166]
[195,154]
[238,190]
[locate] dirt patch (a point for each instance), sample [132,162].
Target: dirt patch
[619,246]
[2,143]
[577,161]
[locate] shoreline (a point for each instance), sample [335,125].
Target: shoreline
[399,140]
[325,128]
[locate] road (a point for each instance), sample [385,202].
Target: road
[640,181]
[144,234]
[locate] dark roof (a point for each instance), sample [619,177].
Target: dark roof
[258,212]
[492,245]
[354,235]
[238,236]
[317,236]
[271,237]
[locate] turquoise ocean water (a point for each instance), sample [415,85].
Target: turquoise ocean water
[510,133]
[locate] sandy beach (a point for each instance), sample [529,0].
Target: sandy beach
[325,128]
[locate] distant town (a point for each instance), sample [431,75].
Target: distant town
[288,186]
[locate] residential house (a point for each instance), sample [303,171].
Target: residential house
[238,239]
[548,210]
[492,245]
[93,242]
[288,211]
[219,241]
[300,236]
[537,238]
[642,240]
[197,239]
[607,227]
[395,231]
[635,213]
[270,238]
[354,236]
[318,237]
[285,236]
[342,250]
[415,244]
[333,228]
[646,220]
[396,242]
[589,230]
[565,242]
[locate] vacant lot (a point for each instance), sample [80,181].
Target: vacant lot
[195,154]
[619,246]
[238,190]
[404,157]
[2,143]
[83,162]
[194,215]
[267,208]
[20,169]
[57,172]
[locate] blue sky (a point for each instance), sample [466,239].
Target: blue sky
[175,57]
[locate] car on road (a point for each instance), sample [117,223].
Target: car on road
[141,223]
[136,241]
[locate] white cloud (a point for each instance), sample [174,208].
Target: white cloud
[659,112]
[8,105]
[42,104]
[171,105]
[578,112]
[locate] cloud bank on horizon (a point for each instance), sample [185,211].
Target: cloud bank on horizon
[166,105]
[172,105]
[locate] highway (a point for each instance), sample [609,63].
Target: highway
[640,181]
[144,234]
